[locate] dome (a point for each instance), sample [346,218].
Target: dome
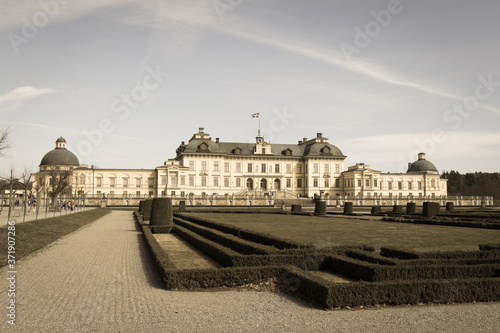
[422,165]
[60,155]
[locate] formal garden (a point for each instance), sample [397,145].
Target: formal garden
[333,260]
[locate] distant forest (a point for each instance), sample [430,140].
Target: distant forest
[477,183]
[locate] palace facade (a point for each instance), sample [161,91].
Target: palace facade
[207,167]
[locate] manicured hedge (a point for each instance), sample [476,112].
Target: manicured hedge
[487,247]
[408,254]
[252,236]
[365,271]
[161,212]
[240,245]
[146,209]
[335,295]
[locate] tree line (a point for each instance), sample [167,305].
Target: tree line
[477,183]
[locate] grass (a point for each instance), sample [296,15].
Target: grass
[334,231]
[32,236]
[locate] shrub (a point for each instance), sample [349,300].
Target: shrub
[320,208]
[161,212]
[376,210]
[296,208]
[348,208]
[146,206]
[430,209]
[411,208]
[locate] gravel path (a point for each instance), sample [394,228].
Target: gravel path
[100,279]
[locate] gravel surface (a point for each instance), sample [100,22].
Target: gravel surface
[100,279]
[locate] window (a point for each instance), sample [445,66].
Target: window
[151,182]
[289,182]
[216,181]
[359,182]
[315,182]
[226,181]
[191,165]
[337,168]
[238,182]
[419,185]
[315,168]
[327,182]
[204,165]
[249,167]
[400,185]
[389,185]
[263,168]
[98,182]
[226,167]
[112,182]
[137,193]
[191,180]
[288,168]
[173,180]
[327,168]
[216,166]
[263,151]
[276,168]
[125,182]
[138,182]
[337,182]
[172,193]
[409,185]
[82,180]
[183,194]
[367,182]
[299,182]
[183,180]
[238,167]
[299,168]
[163,180]
[375,182]
[203,181]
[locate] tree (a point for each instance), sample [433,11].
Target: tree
[60,183]
[4,141]
[25,180]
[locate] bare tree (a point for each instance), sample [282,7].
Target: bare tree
[4,140]
[25,180]
[60,183]
[40,187]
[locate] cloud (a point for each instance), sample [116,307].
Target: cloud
[15,99]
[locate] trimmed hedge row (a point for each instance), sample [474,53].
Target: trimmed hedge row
[365,271]
[335,295]
[488,247]
[408,254]
[240,245]
[219,277]
[450,223]
[252,236]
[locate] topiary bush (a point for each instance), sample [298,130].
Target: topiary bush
[430,209]
[320,208]
[146,209]
[348,208]
[161,212]
[411,208]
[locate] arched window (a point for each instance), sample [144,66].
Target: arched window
[277,184]
[263,184]
[250,184]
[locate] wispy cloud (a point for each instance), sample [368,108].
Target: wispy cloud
[335,58]
[14,99]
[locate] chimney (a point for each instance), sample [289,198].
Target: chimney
[319,135]
[216,140]
[409,165]
[202,129]
[305,139]
[300,142]
[421,156]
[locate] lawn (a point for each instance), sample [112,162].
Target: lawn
[338,230]
[32,236]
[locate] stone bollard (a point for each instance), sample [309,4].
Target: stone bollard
[161,212]
[348,208]
[376,210]
[411,208]
[430,209]
[397,209]
[320,208]
[296,208]
[182,206]
[146,209]
[450,206]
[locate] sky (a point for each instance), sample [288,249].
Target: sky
[125,82]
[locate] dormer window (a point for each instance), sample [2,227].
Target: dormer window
[326,151]
[203,147]
[237,151]
[287,152]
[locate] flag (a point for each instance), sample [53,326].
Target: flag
[255,115]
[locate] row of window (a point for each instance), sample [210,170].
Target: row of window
[350,183]
[263,167]
[125,182]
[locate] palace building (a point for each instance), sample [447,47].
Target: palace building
[207,167]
